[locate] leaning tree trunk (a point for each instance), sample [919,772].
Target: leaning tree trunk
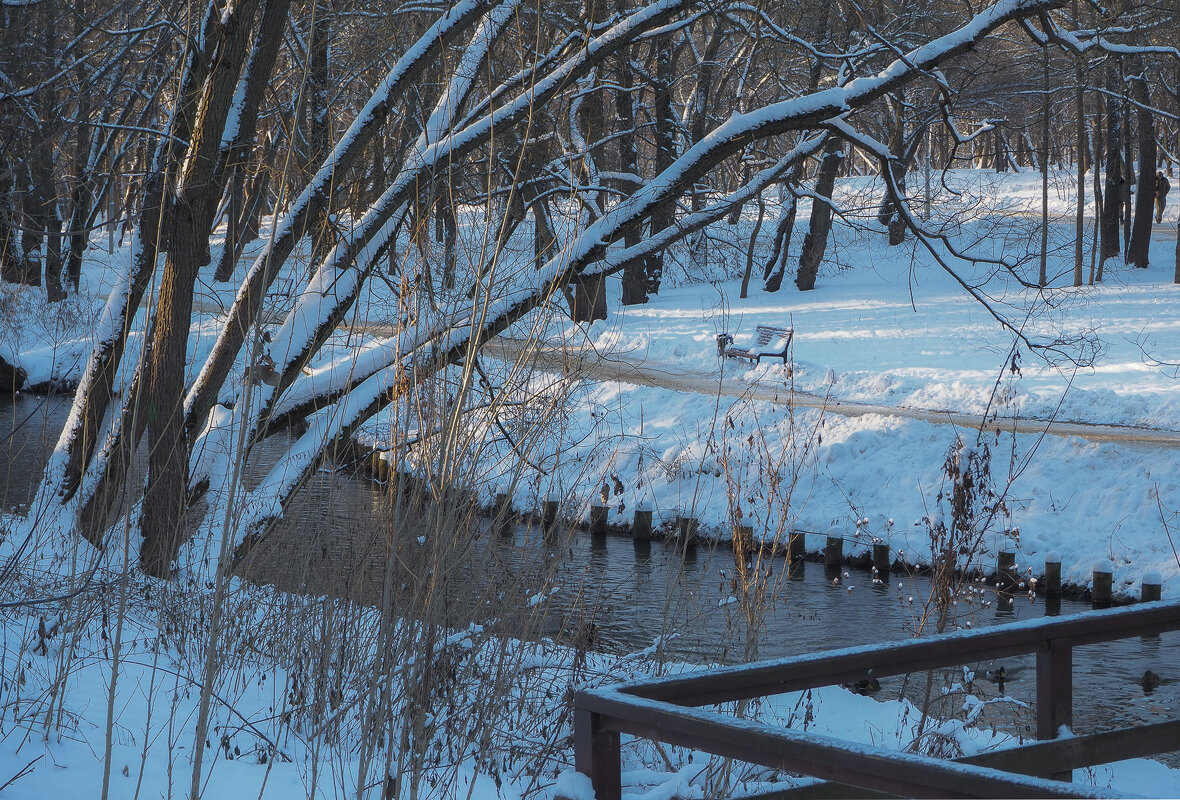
[1137,250]
[190,221]
[815,243]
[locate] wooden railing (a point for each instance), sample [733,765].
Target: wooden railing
[669,710]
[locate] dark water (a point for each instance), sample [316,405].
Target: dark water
[611,593]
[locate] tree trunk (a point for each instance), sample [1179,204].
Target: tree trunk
[1080,214]
[1112,196]
[776,265]
[665,124]
[246,213]
[634,275]
[1096,140]
[190,219]
[1137,250]
[815,243]
[1042,277]
[750,247]
[319,224]
[889,215]
[589,298]
[699,121]
[1128,183]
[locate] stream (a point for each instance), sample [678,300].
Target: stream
[615,594]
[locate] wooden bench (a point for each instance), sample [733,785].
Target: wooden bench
[765,335]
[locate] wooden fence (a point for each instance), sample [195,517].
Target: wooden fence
[670,710]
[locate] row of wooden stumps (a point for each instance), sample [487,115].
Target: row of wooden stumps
[688,530]
[504,519]
[1102,594]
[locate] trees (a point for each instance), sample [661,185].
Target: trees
[573,116]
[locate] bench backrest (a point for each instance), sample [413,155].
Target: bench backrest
[767,332]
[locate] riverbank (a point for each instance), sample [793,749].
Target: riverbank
[715,440]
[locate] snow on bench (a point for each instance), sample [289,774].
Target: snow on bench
[765,335]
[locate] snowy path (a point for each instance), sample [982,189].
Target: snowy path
[600,366]
[597,365]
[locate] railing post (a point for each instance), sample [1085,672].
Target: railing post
[596,755]
[1055,691]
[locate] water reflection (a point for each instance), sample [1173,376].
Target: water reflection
[340,537]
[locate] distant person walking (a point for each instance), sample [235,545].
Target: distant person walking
[1162,187]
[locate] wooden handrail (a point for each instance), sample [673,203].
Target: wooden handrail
[663,709]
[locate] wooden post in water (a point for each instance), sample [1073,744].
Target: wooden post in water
[881,559]
[796,545]
[597,519]
[1103,584]
[1152,587]
[1006,570]
[743,539]
[833,551]
[549,514]
[1052,575]
[689,531]
[641,527]
[502,514]
[403,484]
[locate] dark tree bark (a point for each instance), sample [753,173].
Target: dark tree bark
[319,224]
[249,203]
[634,275]
[1083,157]
[1046,93]
[1137,250]
[665,127]
[889,215]
[699,121]
[1096,159]
[9,263]
[776,265]
[815,243]
[589,303]
[1112,196]
[1176,98]
[1128,184]
[190,218]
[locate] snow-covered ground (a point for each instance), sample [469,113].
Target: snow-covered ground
[885,326]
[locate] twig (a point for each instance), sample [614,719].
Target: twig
[1167,530]
[24,771]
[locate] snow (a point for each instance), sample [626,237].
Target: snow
[573,785]
[885,329]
